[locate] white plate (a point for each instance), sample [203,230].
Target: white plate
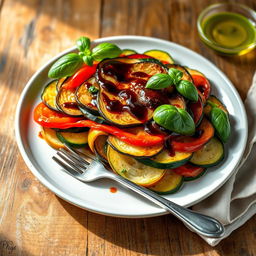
[96,196]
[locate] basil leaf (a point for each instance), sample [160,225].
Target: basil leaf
[175,74]
[88,60]
[174,119]
[93,90]
[65,66]
[159,81]
[187,89]
[221,123]
[83,43]
[105,50]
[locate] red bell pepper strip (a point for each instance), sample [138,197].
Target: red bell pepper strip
[51,119]
[80,76]
[138,56]
[203,86]
[197,110]
[192,144]
[188,170]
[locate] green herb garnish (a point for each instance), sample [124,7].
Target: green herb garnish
[71,62]
[174,119]
[174,77]
[93,90]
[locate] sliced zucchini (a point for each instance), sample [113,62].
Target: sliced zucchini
[213,99]
[49,95]
[123,99]
[49,135]
[131,169]
[194,72]
[74,140]
[87,97]
[210,154]
[164,160]
[126,52]
[131,150]
[160,55]
[196,177]
[66,102]
[169,184]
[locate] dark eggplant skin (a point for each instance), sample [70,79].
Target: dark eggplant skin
[126,118]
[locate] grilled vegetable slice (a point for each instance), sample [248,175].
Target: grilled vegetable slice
[93,135]
[204,132]
[165,160]
[66,102]
[100,148]
[61,81]
[189,171]
[123,99]
[75,140]
[126,52]
[131,169]
[135,151]
[72,129]
[86,96]
[213,99]
[170,183]
[177,100]
[49,95]
[197,110]
[160,55]
[51,138]
[209,155]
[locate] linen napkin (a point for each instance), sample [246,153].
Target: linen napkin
[235,202]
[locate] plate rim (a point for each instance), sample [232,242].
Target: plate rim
[78,203]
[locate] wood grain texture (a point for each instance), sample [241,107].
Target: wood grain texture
[33,221]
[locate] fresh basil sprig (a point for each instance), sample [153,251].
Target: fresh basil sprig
[174,77]
[174,119]
[221,123]
[71,62]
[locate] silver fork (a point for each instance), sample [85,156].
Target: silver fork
[87,169]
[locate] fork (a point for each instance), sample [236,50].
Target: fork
[86,169]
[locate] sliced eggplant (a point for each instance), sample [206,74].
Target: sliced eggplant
[100,148]
[177,100]
[131,150]
[196,109]
[49,95]
[66,102]
[160,55]
[169,184]
[72,129]
[165,160]
[210,154]
[131,169]
[73,140]
[86,96]
[61,81]
[123,99]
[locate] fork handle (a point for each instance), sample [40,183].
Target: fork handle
[196,222]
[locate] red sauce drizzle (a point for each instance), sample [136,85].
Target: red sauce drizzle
[113,189]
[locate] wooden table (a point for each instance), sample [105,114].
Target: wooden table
[33,221]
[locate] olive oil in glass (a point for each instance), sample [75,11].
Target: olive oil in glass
[230,31]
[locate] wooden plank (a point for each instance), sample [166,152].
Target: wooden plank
[35,222]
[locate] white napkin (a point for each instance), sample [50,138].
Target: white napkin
[235,202]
